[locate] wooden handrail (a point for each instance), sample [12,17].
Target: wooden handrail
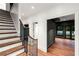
[31,37]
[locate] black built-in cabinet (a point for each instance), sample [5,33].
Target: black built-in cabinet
[65,29]
[60,29]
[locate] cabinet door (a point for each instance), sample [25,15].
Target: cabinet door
[67,31]
[50,32]
[59,30]
[73,35]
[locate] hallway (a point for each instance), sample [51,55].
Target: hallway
[62,47]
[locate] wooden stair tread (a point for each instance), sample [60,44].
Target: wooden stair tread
[7,22]
[7,29]
[9,51]
[9,43]
[7,15]
[4,11]
[7,32]
[4,17]
[22,54]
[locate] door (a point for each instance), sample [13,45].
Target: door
[35,30]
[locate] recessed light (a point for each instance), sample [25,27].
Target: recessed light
[33,7]
[19,17]
[22,14]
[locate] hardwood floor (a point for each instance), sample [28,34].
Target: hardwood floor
[22,54]
[62,47]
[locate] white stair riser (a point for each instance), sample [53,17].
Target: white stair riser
[4,16]
[9,40]
[6,27]
[7,35]
[10,46]
[6,24]
[6,21]
[10,20]
[3,31]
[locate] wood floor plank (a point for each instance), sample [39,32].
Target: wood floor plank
[22,54]
[58,49]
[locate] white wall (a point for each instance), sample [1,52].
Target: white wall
[15,17]
[8,6]
[77,33]
[3,6]
[58,11]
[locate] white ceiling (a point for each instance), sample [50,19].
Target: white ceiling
[25,9]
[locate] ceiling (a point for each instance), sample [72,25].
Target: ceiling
[29,9]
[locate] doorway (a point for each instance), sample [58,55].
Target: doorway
[60,34]
[35,30]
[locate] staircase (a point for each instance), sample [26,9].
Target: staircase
[10,43]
